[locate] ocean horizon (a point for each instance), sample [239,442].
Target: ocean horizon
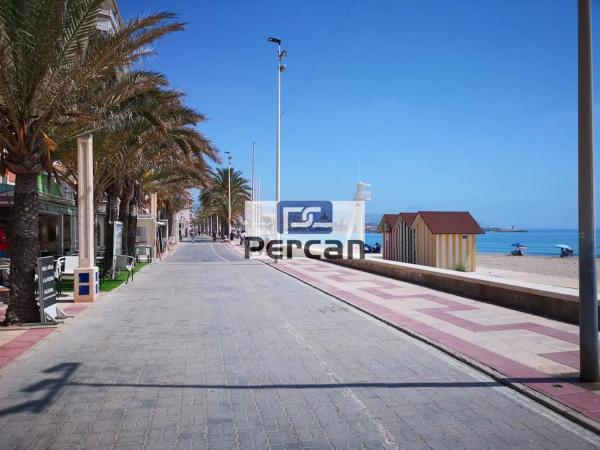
[538,242]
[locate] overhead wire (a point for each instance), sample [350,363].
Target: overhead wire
[321,55]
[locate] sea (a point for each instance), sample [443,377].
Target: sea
[538,242]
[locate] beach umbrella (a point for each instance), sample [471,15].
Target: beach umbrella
[565,246]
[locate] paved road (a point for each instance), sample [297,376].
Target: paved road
[206,350]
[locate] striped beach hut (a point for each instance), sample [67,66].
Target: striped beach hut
[446,239]
[405,237]
[386,228]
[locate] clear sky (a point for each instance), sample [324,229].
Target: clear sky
[450,105]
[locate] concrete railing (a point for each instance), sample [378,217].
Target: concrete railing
[554,302]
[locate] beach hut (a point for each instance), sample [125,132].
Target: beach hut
[446,239]
[386,227]
[405,237]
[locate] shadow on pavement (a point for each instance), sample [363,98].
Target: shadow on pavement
[49,386]
[435,384]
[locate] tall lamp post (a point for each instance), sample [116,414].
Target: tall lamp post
[253,198]
[588,294]
[280,68]
[228,195]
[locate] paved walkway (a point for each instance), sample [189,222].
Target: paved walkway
[206,350]
[14,342]
[542,353]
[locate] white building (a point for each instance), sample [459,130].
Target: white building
[184,222]
[109,18]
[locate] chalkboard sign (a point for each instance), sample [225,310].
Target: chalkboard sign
[46,284]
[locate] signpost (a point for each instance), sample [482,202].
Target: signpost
[118,238]
[46,284]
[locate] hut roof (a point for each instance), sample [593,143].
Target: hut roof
[408,217]
[387,222]
[450,222]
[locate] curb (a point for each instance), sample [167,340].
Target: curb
[521,388]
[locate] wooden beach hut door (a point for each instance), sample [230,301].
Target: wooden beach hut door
[407,244]
[386,245]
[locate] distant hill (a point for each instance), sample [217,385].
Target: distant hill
[373,218]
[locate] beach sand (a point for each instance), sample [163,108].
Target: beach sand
[551,270]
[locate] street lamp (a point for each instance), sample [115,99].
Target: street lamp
[228,194]
[281,54]
[588,295]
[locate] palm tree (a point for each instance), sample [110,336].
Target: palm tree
[51,57]
[151,145]
[214,199]
[165,146]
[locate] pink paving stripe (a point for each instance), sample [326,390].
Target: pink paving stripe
[570,358]
[75,309]
[19,345]
[454,306]
[345,278]
[378,292]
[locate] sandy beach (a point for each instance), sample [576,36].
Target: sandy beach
[536,269]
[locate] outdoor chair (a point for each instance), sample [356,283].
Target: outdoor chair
[57,283]
[143,253]
[124,262]
[100,253]
[66,266]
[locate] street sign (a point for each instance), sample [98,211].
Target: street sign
[46,284]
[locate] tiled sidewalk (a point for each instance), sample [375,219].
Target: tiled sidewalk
[541,353]
[14,342]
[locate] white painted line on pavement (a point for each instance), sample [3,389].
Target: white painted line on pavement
[347,391]
[217,255]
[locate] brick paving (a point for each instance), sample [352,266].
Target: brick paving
[542,353]
[16,341]
[206,350]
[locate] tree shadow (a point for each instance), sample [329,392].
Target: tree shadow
[50,387]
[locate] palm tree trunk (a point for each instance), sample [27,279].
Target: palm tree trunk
[170,221]
[124,212]
[132,225]
[112,214]
[24,250]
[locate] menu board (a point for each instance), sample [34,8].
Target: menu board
[46,284]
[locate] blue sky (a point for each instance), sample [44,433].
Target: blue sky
[463,105]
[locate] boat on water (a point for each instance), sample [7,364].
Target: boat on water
[512,229]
